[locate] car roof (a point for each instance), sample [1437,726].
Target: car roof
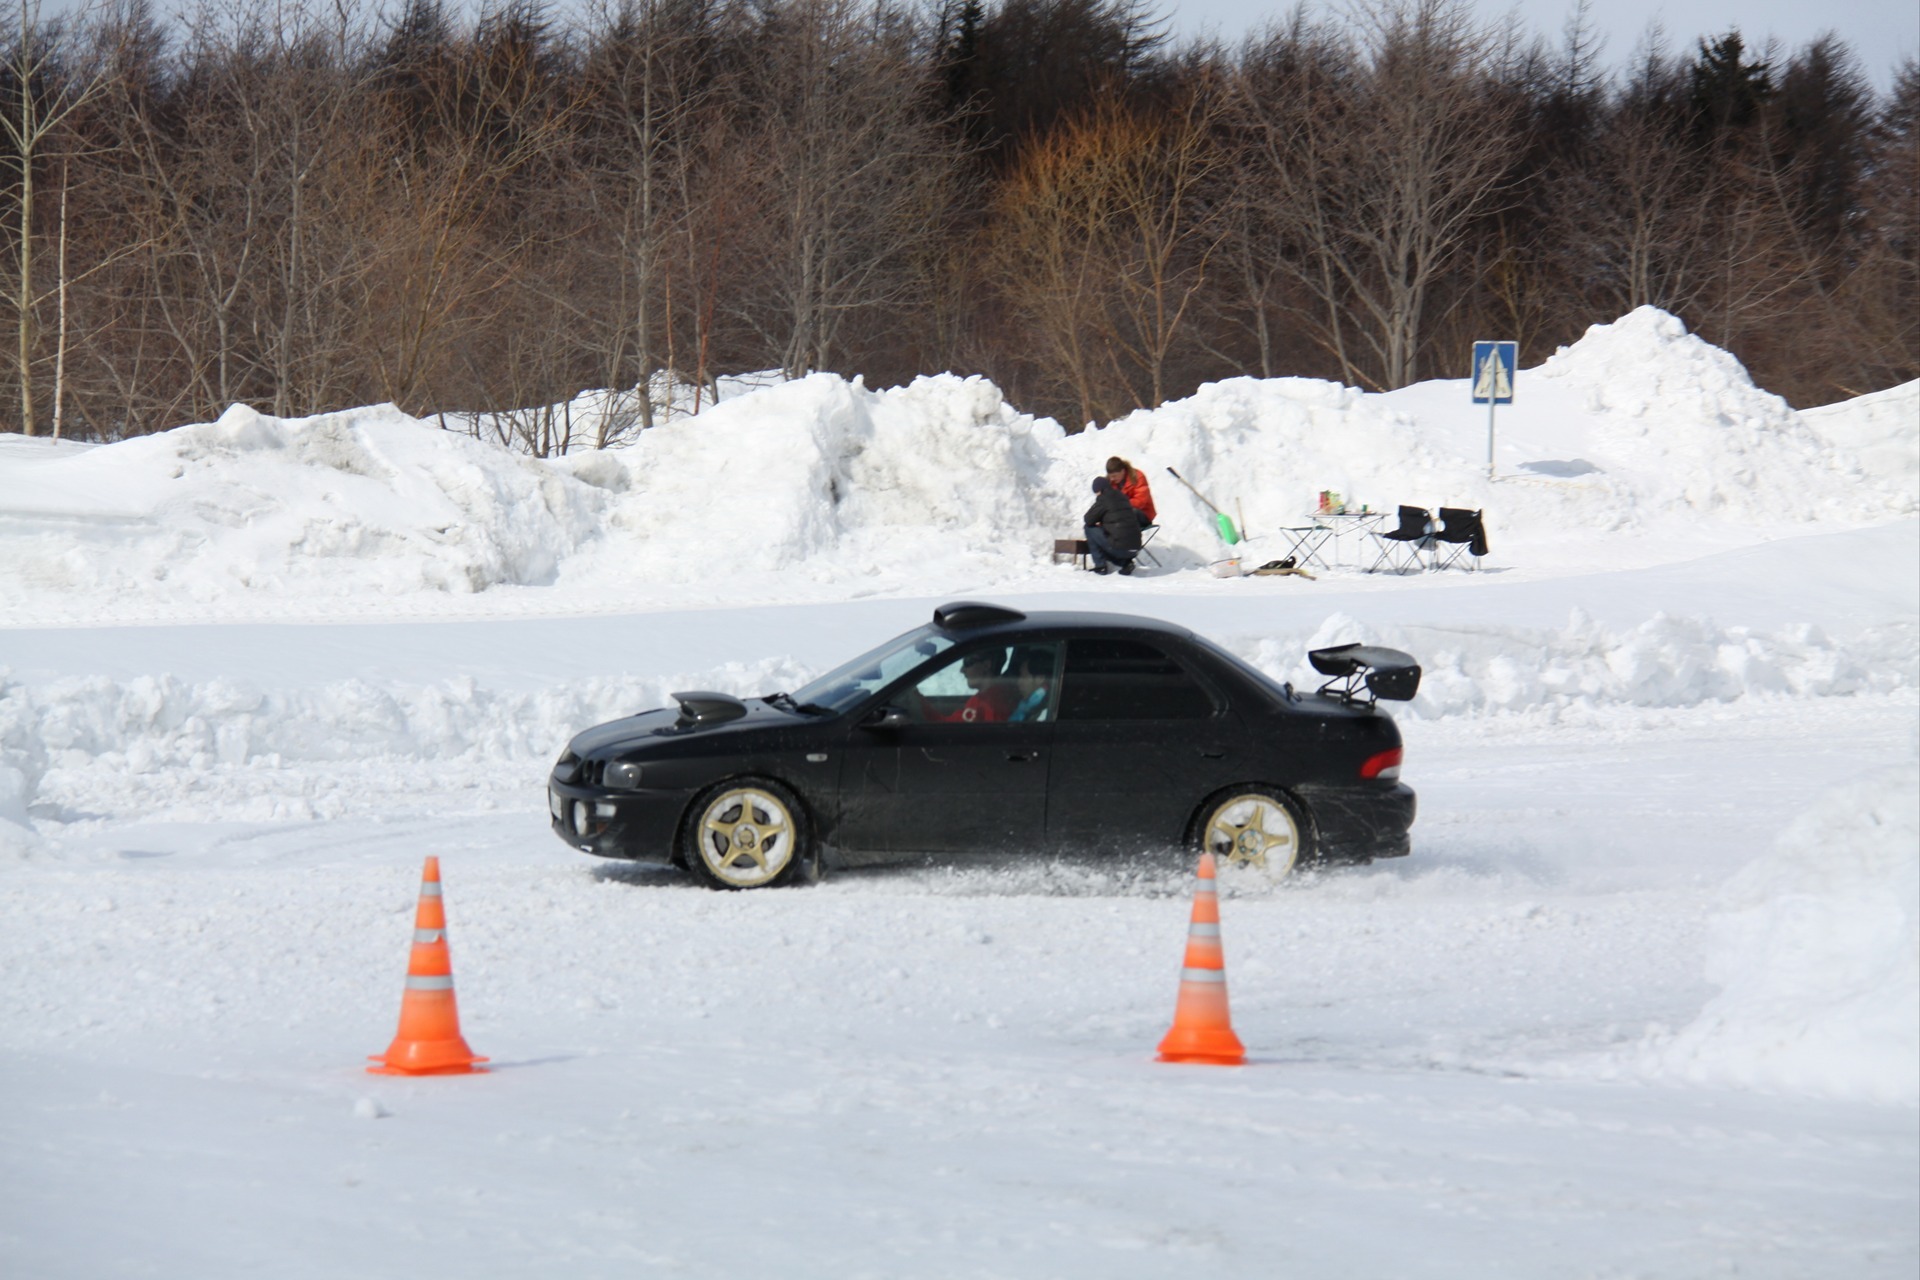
[1016,622]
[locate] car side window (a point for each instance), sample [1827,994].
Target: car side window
[997,684]
[973,688]
[1113,679]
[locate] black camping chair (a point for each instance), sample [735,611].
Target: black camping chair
[1147,532]
[1400,548]
[1461,539]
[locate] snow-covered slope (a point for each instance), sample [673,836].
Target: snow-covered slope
[1817,953]
[1881,430]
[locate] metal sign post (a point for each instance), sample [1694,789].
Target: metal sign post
[1494,364]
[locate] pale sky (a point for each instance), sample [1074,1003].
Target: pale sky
[1880,32]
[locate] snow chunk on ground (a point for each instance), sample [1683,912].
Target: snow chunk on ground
[1819,958]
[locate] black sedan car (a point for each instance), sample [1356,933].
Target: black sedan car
[991,729]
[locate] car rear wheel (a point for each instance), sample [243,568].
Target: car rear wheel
[1258,827]
[749,833]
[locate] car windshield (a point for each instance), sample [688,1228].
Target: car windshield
[848,684]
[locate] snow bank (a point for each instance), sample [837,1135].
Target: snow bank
[72,730]
[368,502]
[1882,430]
[69,737]
[779,491]
[1665,661]
[825,477]
[1817,953]
[1682,418]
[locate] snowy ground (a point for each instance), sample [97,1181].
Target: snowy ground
[1645,1001]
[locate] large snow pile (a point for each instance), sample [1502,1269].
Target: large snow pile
[1683,419]
[1642,429]
[805,489]
[1818,956]
[826,477]
[366,502]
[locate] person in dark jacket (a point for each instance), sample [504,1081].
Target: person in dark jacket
[1113,529]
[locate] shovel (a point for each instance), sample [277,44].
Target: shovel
[1221,519]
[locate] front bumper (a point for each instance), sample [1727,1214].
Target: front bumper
[1354,824]
[638,826]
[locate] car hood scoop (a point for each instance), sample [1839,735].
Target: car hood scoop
[703,710]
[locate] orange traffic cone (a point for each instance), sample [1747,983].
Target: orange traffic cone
[429,1041]
[1202,1031]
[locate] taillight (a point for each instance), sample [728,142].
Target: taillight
[1384,765]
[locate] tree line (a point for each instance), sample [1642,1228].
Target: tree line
[306,206]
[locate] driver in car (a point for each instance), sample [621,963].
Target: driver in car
[993,697]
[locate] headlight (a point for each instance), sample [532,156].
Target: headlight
[622,775]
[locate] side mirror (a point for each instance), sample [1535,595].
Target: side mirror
[886,718]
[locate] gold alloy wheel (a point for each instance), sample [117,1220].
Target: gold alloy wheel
[1253,829]
[746,837]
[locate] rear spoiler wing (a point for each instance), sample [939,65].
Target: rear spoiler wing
[1366,672]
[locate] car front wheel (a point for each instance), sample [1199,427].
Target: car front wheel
[1257,827]
[747,833]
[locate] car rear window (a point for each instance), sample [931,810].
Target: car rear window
[1113,679]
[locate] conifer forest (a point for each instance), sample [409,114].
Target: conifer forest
[304,205]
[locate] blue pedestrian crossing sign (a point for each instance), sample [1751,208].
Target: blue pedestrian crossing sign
[1494,364]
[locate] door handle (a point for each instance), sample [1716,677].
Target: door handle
[1213,753]
[1021,757]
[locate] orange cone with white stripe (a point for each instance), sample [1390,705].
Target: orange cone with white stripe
[429,1042]
[1202,1030]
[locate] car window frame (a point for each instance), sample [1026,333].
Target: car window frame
[1171,648]
[1193,658]
[957,656]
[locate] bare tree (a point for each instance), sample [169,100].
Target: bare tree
[1378,167]
[854,172]
[1102,244]
[1047,261]
[647,87]
[457,131]
[48,88]
[1641,214]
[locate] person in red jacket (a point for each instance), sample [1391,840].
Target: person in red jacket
[1122,476]
[993,695]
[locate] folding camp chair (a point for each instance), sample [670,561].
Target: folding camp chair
[1400,548]
[1461,539]
[1146,535]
